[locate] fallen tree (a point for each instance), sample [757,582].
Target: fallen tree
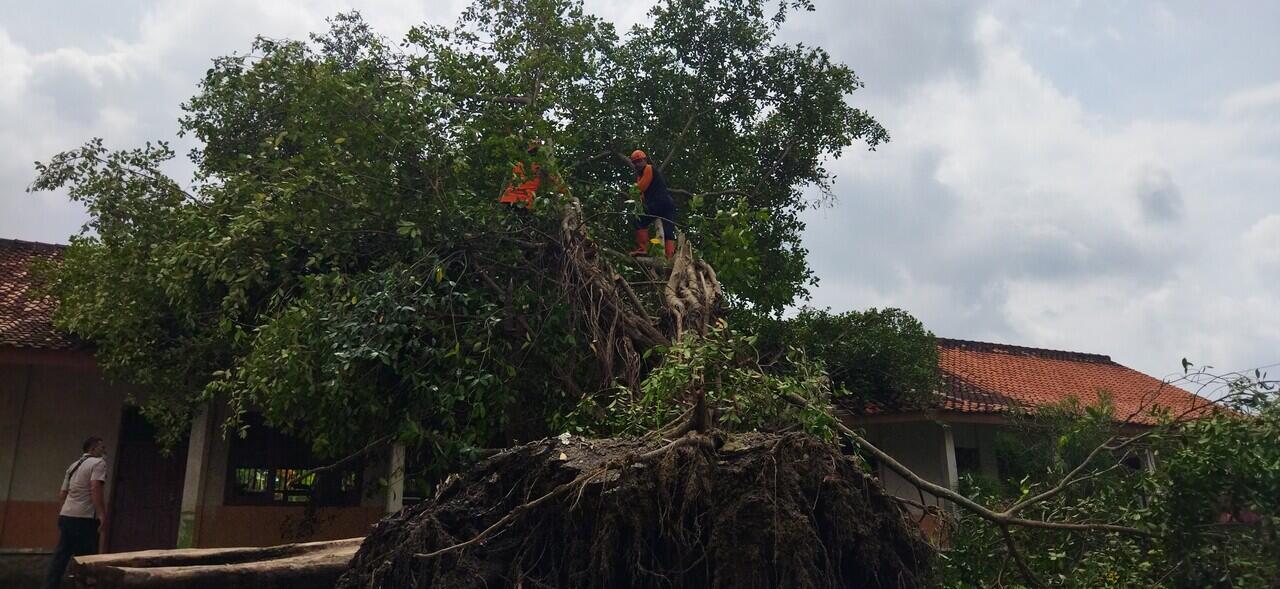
[754,510]
[339,265]
[686,505]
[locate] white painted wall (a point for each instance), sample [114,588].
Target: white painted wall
[920,446]
[923,447]
[48,412]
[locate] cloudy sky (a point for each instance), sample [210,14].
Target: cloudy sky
[1097,176]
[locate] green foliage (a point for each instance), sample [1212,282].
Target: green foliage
[1219,490]
[725,367]
[1207,471]
[339,262]
[978,556]
[1034,454]
[880,355]
[1049,442]
[742,118]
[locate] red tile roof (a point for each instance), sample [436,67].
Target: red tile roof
[26,321]
[989,378]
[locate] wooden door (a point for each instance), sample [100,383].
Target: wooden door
[146,499]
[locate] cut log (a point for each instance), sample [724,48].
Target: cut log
[311,564]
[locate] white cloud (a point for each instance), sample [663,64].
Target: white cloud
[1038,221]
[128,90]
[1261,247]
[1250,99]
[15,69]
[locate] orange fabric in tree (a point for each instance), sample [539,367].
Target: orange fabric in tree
[523,188]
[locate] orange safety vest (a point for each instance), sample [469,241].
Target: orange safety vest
[523,188]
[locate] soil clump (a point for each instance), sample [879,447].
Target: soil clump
[752,510]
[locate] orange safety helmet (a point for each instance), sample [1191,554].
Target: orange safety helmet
[638,155]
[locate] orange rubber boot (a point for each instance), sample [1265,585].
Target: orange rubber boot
[642,242]
[670,248]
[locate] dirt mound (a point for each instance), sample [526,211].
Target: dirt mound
[755,510]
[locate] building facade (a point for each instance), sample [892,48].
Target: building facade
[985,386]
[211,490]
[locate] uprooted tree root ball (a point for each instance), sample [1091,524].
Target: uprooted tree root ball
[755,510]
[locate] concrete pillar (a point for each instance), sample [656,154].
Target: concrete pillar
[194,483]
[951,477]
[395,478]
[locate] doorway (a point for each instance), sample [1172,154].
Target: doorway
[146,499]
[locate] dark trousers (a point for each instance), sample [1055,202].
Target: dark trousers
[77,536]
[662,210]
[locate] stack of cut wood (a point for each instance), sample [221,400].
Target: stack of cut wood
[309,565]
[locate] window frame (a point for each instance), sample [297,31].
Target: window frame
[278,458]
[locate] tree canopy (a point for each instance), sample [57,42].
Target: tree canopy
[339,261]
[340,264]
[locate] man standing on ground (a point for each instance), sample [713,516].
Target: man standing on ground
[84,509]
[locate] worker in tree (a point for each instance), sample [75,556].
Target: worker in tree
[657,205]
[522,188]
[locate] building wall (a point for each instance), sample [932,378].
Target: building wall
[46,412]
[920,446]
[47,408]
[979,436]
[220,525]
[927,447]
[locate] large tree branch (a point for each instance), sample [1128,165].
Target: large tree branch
[361,453]
[675,143]
[1016,554]
[1071,477]
[692,194]
[995,517]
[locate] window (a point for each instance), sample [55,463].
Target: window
[268,467]
[967,461]
[1136,460]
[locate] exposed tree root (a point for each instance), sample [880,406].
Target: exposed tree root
[758,511]
[615,316]
[692,293]
[610,312]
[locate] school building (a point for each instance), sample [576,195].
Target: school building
[210,490]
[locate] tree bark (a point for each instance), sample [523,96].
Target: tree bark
[312,564]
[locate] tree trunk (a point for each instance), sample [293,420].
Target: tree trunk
[313,564]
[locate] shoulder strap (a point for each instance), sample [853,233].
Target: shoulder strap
[75,468]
